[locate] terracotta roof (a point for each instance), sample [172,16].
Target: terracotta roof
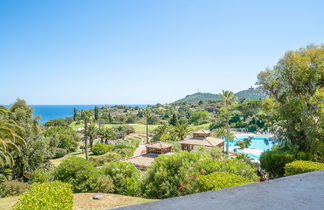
[201,131]
[159,145]
[200,141]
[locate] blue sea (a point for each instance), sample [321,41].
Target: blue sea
[50,112]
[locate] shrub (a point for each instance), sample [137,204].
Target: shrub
[41,176]
[274,161]
[125,152]
[220,180]
[11,188]
[49,196]
[59,152]
[78,172]
[105,185]
[233,166]
[165,176]
[100,148]
[299,167]
[108,157]
[125,177]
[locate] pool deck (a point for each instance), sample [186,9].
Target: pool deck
[299,192]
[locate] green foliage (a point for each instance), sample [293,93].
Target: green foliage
[62,137]
[233,166]
[78,172]
[299,167]
[295,84]
[245,143]
[174,120]
[125,177]
[12,188]
[41,176]
[59,152]
[274,161]
[108,157]
[105,185]
[199,117]
[56,122]
[165,176]
[49,196]
[196,97]
[220,180]
[100,149]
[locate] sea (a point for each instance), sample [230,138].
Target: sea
[50,112]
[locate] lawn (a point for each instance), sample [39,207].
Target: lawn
[139,128]
[57,161]
[203,126]
[84,201]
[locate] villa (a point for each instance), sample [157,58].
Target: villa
[152,151]
[201,138]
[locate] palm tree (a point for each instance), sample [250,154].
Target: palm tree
[92,133]
[182,130]
[228,100]
[86,117]
[10,141]
[147,114]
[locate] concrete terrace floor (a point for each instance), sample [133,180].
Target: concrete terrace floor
[303,191]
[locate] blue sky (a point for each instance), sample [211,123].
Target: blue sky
[138,52]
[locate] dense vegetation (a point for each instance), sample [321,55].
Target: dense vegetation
[249,94]
[292,111]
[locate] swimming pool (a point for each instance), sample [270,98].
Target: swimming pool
[258,145]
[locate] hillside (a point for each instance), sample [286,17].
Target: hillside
[250,93]
[196,97]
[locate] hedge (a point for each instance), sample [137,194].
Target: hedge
[299,167]
[49,196]
[220,180]
[274,161]
[100,148]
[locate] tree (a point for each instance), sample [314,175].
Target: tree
[106,133]
[92,133]
[75,114]
[86,117]
[199,117]
[147,114]
[96,113]
[296,86]
[228,100]
[36,153]
[245,143]
[181,130]
[10,141]
[174,119]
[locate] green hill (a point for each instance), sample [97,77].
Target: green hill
[250,93]
[196,97]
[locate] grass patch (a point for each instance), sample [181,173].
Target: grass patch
[83,201]
[57,161]
[198,127]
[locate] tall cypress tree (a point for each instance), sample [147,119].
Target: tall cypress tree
[75,115]
[96,113]
[174,119]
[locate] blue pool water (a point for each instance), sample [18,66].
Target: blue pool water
[263,143]
[50,112]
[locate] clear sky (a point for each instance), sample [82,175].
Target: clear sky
[138,52]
